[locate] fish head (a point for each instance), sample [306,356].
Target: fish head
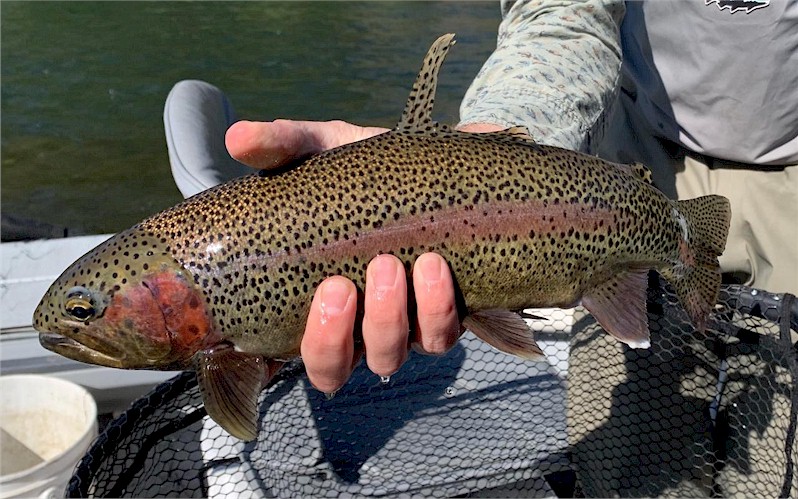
[127,304]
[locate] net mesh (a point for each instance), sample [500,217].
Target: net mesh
[708,414]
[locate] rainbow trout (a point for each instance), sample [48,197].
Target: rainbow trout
[222,282]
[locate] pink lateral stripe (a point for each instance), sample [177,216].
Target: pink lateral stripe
[459,225]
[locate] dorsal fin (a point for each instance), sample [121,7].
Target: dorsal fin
[417,115]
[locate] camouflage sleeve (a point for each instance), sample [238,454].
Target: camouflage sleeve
[555,70]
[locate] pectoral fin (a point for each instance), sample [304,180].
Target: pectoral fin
[505,331]
[619,306]
[230,383]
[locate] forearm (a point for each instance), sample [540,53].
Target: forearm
[555,70]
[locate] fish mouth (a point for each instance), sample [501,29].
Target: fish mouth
[75,350]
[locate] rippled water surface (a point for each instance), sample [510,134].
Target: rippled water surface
[83,85]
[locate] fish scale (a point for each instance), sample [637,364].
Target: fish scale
[223,281]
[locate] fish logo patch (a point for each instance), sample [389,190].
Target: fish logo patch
[737,5]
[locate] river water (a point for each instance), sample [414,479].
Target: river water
[83,85]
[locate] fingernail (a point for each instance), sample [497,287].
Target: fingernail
[430,269]
[383,271]
[334,296]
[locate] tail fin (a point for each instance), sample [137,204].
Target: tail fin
[696,278]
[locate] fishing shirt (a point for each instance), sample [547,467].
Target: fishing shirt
[719,77]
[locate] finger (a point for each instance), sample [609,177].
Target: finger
[267,144]
[438,326]
[328,345]
[480,128]
[276,143]
[385,323]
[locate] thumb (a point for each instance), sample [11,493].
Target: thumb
[276,143]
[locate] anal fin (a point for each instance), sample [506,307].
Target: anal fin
[505,331]
[230,383]
[619,306]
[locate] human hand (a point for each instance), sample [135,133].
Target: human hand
[328,345]
[276,143]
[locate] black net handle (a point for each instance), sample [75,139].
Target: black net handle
[790,308]
[777,308]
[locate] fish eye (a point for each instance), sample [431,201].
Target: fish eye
[79,304]
[80,311]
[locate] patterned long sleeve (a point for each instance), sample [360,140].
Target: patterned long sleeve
[555,70]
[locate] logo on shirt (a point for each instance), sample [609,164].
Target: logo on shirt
[737,5]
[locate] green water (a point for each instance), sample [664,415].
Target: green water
[83,85]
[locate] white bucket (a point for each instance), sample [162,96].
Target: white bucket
[46,425]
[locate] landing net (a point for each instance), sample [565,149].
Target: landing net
[708,414]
